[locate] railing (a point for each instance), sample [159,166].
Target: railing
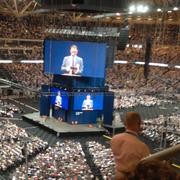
[165,154]
[18,85]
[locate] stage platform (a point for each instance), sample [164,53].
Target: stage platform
[63,128]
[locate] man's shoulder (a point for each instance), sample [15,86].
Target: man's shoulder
[78,58]
[117,136]
[67,57]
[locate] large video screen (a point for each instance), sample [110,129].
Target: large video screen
[72,58]
[59,98]
[88,101]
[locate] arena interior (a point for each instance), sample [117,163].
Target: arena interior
[142,71]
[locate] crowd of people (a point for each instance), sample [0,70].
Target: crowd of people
[119,76]
[65,160]
[129,101]
[103,159]
[13,140]
[7,109]
[131,77]
[163,127]
[30,75]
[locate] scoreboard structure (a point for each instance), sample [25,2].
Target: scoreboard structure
[77,93]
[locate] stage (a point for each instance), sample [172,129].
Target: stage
[63,128]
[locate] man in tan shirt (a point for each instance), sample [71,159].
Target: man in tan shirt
[127,148]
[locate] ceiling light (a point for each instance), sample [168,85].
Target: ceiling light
[175,8]
[135,45]
[118,14]
[159,10]
[169,11]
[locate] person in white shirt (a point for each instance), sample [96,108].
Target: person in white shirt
[58,100]
[87,103]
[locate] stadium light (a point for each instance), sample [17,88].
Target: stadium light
[120,62]
[5,61]
[32,61]
[139,8]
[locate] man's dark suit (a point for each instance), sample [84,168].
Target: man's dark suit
[68,62]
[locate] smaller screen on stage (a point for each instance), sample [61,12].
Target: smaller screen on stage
[59,98]
[72,58]
[88,101]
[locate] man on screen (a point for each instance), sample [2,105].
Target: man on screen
[58,100]
[87,103]
[72,64]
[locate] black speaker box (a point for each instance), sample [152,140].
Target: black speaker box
[123,39]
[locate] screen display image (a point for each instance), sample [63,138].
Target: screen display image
[74,58]
[88,101]
[59,98]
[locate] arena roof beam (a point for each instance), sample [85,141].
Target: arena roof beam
[26,7]
[8,6]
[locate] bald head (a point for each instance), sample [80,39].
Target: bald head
[133,121]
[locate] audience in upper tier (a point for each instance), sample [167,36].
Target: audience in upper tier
[30,75]
[165,50]
[132,77]
[119,77]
